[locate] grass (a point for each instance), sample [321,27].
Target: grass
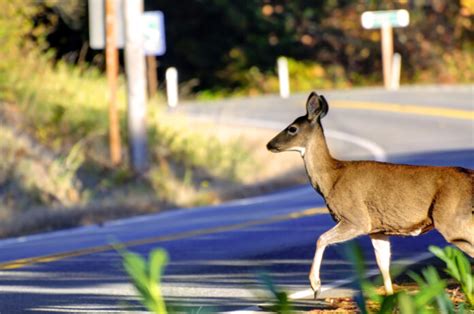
[54,136]
[42,179]
[306,75]
[430,295]
[146,277]
[92,192]
[56,172]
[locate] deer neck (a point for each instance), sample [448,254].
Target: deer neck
[321,167]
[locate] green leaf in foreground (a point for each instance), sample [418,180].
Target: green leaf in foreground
[431,297]
[280,303]
[146,277]
[432,288]
[458,267]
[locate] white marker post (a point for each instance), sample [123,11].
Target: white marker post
[387,53]
[386,20]
[283,77]
[172,87]
[396,68]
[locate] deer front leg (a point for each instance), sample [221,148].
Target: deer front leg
[343,231]
[381,245]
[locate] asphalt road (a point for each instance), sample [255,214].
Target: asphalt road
[216,252]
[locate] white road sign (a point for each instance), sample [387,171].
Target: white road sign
[153,28]
[377,19]
[97,24]
[154,33]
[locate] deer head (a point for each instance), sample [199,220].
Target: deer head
[295,136]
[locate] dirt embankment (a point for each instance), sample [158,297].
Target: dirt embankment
[40,190]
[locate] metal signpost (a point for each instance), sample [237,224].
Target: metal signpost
[136,84]
[122,21]
[154,44]
[97,23]
[112,67]
[106,31]
[386,20]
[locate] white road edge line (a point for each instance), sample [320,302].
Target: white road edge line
[376,150]
[336,284]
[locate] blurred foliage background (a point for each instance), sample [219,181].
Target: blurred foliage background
[225,47]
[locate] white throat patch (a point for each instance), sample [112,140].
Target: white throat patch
[301,150]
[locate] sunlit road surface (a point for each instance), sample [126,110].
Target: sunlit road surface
[216,252]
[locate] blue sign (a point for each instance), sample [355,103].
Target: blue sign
[154,33]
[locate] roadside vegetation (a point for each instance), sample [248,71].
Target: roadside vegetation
[326,44]
[54,166]
[429,294]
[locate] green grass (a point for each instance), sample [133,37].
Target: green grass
[304,76]
[146,277]
[308,75]
[459,268]
[64,110]
[430,298]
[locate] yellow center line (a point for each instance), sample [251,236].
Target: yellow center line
[177,236]
[406,109]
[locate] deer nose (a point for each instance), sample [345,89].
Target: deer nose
[272,147]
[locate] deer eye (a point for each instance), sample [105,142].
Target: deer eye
[292,130]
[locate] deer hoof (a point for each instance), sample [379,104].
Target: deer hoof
[316,286]
[317,293]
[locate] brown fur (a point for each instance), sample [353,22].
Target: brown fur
[399,199]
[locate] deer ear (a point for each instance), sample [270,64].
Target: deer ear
[316,106]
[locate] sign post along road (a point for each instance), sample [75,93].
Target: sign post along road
[129,20]
[154,33]
[386,20]
[154,45]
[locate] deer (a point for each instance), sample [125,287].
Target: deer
[378,199]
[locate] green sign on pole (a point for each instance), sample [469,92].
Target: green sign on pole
[378,19]
[386,21]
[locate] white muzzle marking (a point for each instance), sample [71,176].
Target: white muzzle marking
[301,150]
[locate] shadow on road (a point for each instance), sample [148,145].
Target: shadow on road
[216,270]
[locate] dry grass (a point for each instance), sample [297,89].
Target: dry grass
[346,305]
[41,190]
[267,172]
[53,139]
[63,111]
[254,140]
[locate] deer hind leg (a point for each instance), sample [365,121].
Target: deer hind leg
[340,233]
[461,234]
[456,224]
[381,245]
